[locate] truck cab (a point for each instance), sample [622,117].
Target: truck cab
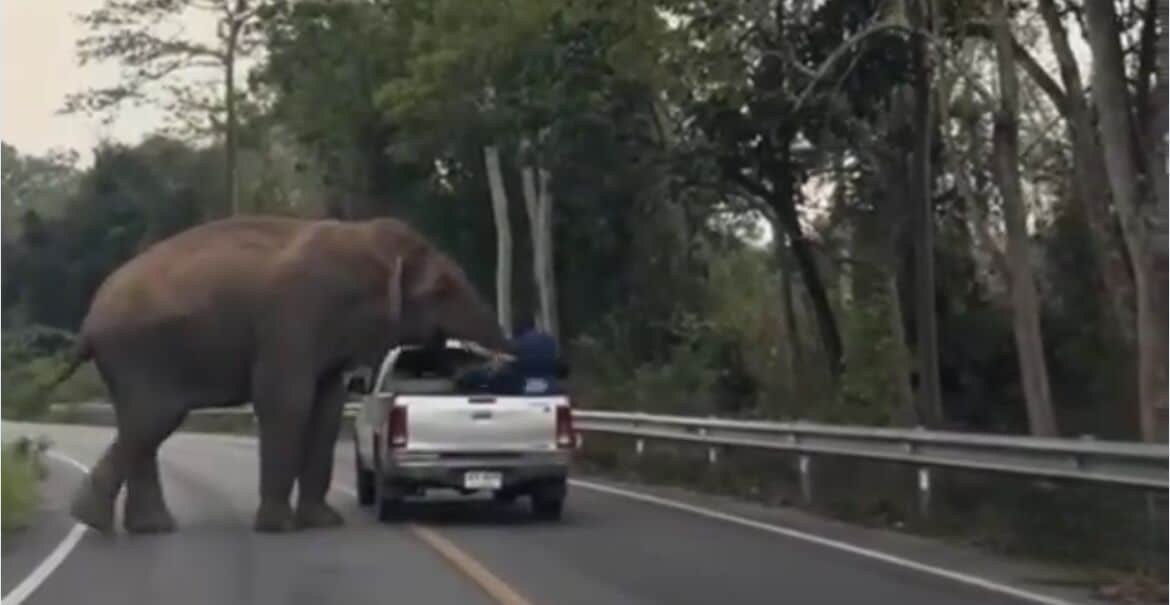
[418,429]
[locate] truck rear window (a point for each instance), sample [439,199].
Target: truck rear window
[427,370]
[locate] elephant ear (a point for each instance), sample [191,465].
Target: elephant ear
[394,291]
[433,279]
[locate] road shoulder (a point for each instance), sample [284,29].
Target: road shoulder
[1051,581]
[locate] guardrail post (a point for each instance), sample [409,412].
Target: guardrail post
[580,443]
[805,465]
[924,491]
[639,446]
[712,451]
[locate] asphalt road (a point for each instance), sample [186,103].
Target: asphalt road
[607,550]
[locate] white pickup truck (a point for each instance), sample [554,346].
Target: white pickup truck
[416,432]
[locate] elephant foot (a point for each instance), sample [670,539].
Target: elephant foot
[317,515]
[274,519]
[92,509]
[155,521]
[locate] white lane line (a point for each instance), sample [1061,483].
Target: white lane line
[41,572]
[815,539]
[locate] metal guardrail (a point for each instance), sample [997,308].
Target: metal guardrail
[1111,462]
[1143,465]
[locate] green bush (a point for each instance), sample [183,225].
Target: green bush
[31,359]
[874,363]
[18,487]
[730,356]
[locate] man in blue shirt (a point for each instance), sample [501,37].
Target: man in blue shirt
[535,370]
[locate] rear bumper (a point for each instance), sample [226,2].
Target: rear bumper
[518,472]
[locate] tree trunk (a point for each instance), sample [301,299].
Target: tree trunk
[229,139]
[1156,137]
[1151,103]
[537,201]
[904,413]
[784,204]
[826,322]
[491,157]
[1025,306]
[1090,181]
[548,289]
[788,311]
[929,386]
[1119,137]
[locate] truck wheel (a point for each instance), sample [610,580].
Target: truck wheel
[387,499]
[365,479]
[389,503]
[548,501]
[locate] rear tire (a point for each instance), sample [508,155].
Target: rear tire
[387,500]
[548,501]
[364,478]
[389,505]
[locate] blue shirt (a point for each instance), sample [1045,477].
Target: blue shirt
[534,371]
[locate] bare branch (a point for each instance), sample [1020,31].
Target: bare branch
[847,47]
[1032,67]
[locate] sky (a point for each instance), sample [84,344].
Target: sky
[38,68]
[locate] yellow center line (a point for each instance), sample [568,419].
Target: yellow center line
[496,588]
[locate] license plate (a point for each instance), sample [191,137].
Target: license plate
[482,480]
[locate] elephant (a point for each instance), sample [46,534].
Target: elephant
[268,310]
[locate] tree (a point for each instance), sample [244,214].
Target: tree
[515,77]
[750,119]
[539,203]
[924,18]
[1089,174]
[1025,308]
[491,157]
[38,184]
[1134,195]
[130,198]
[146,37]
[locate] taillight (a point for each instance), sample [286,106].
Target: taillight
[564,426]
[396,426]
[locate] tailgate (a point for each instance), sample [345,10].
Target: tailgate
[481,423]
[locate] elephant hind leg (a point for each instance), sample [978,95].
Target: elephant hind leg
[129,459]
[145,510]
[93,502]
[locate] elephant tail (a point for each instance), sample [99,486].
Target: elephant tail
[80,354]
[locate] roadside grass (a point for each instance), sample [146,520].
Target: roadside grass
[20,473]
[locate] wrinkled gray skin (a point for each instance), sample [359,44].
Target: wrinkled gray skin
[267,310]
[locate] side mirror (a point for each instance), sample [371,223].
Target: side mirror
[356,384]
[357,381]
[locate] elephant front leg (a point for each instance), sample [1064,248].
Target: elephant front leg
[317,465]
[283,411]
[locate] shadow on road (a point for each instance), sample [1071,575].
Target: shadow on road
[470,511]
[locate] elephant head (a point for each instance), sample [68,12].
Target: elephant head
[429,297]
